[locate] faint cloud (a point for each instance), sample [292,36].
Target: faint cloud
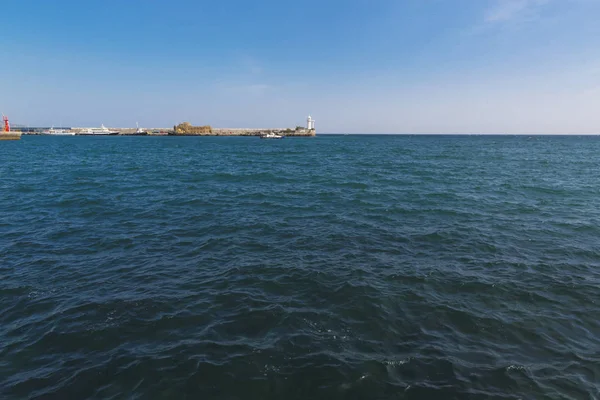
[514,10]
[254,89]
[509,14]
[251,65]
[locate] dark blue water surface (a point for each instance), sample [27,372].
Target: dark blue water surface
[336,267]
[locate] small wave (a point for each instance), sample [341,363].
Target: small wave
[425,267]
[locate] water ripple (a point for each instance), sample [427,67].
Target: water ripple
[341,267]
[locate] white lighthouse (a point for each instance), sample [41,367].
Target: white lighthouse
[310,123]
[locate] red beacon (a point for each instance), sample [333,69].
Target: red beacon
[6,124]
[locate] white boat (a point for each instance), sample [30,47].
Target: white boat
[271,135]
[138,132]
[102,131]
[58,132]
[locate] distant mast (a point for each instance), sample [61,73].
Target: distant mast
[310,123]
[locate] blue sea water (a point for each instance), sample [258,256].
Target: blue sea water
[335,267]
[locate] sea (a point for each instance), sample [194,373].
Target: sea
[334,267]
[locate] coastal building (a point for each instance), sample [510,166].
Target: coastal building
[186,128]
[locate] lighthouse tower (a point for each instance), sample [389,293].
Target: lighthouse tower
[6,133]
[310,123]
[6,127]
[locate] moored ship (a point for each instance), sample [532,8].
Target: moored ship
[138,132]
[158,133]
[102,131]
[58,132]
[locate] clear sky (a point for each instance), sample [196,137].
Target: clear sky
[385,66]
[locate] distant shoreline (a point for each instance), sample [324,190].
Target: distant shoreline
[298,132]
[459,134]
[124,132]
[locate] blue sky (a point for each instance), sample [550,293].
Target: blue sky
[380,66]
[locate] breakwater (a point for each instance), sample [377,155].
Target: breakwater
[208,131]
[10,135]
[258,132]
[185,128]
[222,132]
[298,132]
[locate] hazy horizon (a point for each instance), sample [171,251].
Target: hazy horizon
[437,67]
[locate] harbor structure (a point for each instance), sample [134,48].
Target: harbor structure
[183,129]
[186,128]
[7,134]
[310,123]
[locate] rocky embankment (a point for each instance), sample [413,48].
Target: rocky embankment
[186,129]
[259,132]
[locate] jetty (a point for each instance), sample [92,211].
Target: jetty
[7,134]
[183,129]
[297,132]
[187,129]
